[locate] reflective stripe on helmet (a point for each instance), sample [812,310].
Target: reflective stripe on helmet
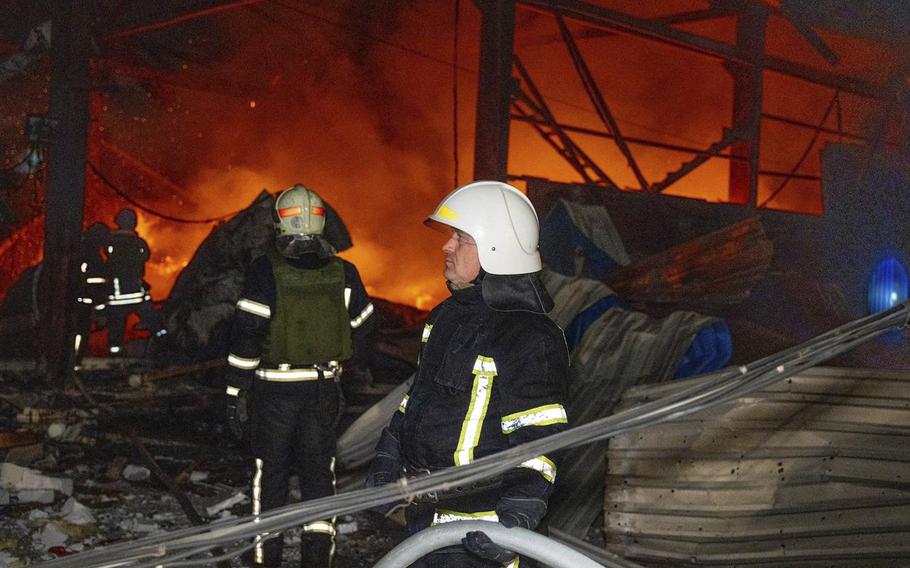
[539,416]
[484,372]
[290,211]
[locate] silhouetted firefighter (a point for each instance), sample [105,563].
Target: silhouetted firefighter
[127,253]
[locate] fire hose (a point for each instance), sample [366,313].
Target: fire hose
[522,541]
[192,546]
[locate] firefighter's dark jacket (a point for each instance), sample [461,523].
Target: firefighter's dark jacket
[487,380]
[258,307]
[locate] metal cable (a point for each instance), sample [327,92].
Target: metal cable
[721,387]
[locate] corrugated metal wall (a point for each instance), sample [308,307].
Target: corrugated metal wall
[814,471]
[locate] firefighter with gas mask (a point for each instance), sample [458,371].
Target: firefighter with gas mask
[302,311]
[127,254]
[492,374]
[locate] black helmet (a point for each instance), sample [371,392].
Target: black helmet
[126,219]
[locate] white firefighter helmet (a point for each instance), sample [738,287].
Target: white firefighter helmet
[299,211]
[500,219]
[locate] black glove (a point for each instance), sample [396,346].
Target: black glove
[386,466]
[524,512]
[237,416]
[480,545]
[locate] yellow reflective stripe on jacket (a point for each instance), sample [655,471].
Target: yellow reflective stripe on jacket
[544,465]
[244,363]
[427,328]
[484,372]
[442,516]
[366,313]
[404,404]
[324,527]
[347,298]
[255,308]
[539,416]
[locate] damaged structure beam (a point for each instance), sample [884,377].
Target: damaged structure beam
[597,99]
[747,104]
[65,190]
[539,116]
[604,18]
[494,89]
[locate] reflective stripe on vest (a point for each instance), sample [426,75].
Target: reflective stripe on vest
[484,372]
[539,416]
[293,375]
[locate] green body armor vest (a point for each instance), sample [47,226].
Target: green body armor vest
[310,323]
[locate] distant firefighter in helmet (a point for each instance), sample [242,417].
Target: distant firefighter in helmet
[301,313]
[94,286]
[127,254]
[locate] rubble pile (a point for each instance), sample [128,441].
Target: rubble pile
[73,476]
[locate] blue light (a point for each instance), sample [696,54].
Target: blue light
[888,285]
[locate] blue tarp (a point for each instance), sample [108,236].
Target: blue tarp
[710,350]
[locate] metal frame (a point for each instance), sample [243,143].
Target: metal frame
[746,61]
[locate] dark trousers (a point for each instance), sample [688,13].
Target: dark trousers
[116,320]
[294,432]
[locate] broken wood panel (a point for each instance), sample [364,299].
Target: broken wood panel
[721,267]
[822,456]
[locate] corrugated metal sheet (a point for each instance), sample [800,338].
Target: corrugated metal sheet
[814,471]
[620,349]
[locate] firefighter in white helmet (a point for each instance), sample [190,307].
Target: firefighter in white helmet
[492,374]
[301,312]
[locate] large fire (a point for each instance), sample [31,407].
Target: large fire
[362,111]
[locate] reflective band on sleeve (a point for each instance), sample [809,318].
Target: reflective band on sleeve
[540,416]
[83,267]
[484,371]
[441,516]
[347,298]
[324,527]
[404,404]
[95,280]
[242,362]
[292,375]
[358,321]
[254,308]
[427,328]
[232,391]
[542,464]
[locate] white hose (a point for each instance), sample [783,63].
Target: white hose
[520,540]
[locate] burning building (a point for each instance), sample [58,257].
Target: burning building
[680,118]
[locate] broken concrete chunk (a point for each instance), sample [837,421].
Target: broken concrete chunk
[226,504]
[52,536]
[136,473]
[76,513]
[21,480]
[25,455]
